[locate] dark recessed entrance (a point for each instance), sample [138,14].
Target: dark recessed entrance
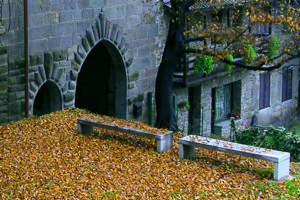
[101,85]
[47,100]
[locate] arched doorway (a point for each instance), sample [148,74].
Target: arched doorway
[47,100]
[102,84]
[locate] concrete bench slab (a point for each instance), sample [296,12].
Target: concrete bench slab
[280,159]
[164,142]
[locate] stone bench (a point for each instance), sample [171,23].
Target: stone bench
[164,142]
[281,159]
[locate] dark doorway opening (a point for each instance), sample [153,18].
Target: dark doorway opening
[102,85]
[47,100]
[195,111]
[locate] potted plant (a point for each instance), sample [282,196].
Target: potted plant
[184,104]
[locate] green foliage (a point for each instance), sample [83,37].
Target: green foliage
[227,66]
[277,138]
[109,194]
[176,195]
[3,49]
[249,54]
[204,64]
[184,104]
[273,46]
[292,189]
[20,61]
[3,22]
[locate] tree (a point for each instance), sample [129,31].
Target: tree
[258,52]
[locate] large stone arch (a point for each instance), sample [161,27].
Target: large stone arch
[111,36]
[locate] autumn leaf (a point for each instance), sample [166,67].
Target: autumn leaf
[45,158]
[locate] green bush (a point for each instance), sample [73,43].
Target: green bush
[204,64]
[277,138]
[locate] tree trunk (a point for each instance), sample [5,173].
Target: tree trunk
[164,80]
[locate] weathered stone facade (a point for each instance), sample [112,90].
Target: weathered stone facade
[277,113]
[63,35]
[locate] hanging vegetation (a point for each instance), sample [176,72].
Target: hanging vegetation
[203,64]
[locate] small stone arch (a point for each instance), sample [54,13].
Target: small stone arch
[109,35]
[47,99]
[48,77]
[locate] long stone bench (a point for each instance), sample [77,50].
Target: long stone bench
[164,142]
[281,159]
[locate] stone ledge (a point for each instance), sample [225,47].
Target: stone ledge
[222,128]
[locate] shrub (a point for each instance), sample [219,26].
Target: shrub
[204,64]
[277,138]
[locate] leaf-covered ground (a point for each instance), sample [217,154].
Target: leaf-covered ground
[45,158]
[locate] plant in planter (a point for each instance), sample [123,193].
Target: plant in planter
[235,115]
[184,104]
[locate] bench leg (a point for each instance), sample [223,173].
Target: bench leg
[281,169]
[84,129]
[164,144]
[186,151]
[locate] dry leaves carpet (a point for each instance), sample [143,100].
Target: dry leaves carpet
[45,158]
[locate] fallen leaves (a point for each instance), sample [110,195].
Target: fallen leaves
[134,125]
[45,158]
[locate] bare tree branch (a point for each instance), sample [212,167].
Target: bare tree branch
[261,66]
[201,38]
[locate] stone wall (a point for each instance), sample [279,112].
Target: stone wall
[183,113]
[54,67]
[11,88]
[3,85]
[278,113]
[60,31]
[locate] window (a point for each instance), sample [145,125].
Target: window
[262,29]
[264,90]
[227,101]
[287,76]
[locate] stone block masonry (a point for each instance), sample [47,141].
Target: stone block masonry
[61,36]
[12,95]
[53,67]
[3,85]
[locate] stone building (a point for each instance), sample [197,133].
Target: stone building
[94,54]
[259,98]
[103,55]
